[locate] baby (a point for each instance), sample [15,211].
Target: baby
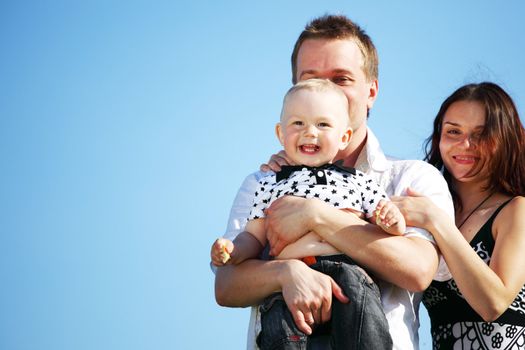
[313,128]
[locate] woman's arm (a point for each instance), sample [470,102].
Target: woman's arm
[489,289]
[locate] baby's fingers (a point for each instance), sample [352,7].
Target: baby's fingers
[217,261]
[381,205]
[221,251]
[382,209]
[390,218]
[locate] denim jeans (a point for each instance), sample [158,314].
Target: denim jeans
[359,324]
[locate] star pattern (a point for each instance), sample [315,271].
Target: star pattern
[342,190]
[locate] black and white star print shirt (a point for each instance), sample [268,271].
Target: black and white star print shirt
[344,188]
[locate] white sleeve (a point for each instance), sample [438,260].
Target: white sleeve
[242,205]
[239,213]
[427,180]
[241,208]
[433,185]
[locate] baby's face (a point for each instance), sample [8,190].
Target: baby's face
[314,126]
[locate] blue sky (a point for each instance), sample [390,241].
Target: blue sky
[126,128]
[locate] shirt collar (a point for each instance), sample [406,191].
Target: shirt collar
[287,170]
[371,156]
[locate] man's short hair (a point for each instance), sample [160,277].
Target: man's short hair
[321,85]
[333,27]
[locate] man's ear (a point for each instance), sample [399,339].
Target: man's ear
[279,133]
[345,139]
[372,93]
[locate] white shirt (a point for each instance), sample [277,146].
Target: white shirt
[401,306]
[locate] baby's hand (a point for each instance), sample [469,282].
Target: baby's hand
[220,251]
[389,218]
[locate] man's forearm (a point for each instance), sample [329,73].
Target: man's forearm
[407,262]
[248,283]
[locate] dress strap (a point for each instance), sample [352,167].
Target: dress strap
[501,207]
[485,232]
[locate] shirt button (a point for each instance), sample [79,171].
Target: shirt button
[304,169]
[320,173]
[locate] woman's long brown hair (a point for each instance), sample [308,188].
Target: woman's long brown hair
[502,141]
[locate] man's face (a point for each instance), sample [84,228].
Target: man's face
[341,62]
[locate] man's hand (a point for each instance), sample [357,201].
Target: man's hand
[287,220]
[308,295]
[276,161]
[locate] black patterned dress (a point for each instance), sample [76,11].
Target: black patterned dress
[455,325]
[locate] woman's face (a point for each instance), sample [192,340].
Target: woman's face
[462,126]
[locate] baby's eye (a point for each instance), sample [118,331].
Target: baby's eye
[297,122]
[324,125]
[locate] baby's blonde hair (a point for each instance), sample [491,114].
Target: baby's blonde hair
[317,85]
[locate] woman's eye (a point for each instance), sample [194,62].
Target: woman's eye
[475,137]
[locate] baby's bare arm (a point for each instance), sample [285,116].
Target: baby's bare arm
[312,244]
[308,245]
[247,245]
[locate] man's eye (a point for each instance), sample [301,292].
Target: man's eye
[342,80]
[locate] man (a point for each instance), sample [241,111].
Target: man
[335,48]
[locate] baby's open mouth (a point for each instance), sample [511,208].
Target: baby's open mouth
[309,148]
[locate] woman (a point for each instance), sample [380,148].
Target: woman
[479,143]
